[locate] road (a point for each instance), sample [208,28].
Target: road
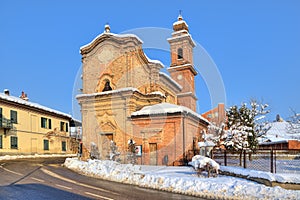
[46,178]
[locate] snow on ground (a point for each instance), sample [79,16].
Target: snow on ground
[10,157]
[281,178]
[180,180]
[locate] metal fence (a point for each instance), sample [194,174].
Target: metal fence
[275,161]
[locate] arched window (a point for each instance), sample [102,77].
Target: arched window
[179,53]
[107,86]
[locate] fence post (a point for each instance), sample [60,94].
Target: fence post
[272,163]
[245,158]
[275,162]
[225,157]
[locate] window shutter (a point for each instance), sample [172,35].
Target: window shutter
[62,126]
[0,117]
[1,142]
[50,125]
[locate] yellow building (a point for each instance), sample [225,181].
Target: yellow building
[30,128]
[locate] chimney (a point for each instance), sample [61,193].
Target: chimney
[6,91]
[24,96]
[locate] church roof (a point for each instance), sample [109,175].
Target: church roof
[167,108]
[104,35]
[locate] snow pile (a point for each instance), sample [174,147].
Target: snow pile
[11,157]
[180,180]
[281,178]
[106,169]
[200,162]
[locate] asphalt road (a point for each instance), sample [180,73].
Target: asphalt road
[46,178]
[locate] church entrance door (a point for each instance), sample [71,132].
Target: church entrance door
[105,139]
[153,153]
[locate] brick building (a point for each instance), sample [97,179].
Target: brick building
[216,115]
[125,96]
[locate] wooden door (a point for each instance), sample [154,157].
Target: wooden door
[153,153]
[106,138]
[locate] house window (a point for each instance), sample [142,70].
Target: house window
[46,144]
[62,126]
[63,146]
[1,142]
[14,116]
[46,123]
[13,142]
[179,53]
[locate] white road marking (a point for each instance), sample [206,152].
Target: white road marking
[39,180]
[99,196]
[17,173]
[74,182]
[62,186]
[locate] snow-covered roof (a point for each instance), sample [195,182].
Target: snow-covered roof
[154,61]
[31,104]
[179,32]
[112,34]
[279,133]
[170,79]
[108,92]
[166,108]
[158,93]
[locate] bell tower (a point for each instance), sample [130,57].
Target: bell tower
[181,68]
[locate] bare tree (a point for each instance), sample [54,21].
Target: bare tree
[294,125]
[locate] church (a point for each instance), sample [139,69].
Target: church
[125,96]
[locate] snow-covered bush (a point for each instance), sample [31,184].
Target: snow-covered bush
[114,153]
[131,154]
[202,163]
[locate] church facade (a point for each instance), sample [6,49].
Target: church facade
[126,96]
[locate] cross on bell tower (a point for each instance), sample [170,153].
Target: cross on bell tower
[181,68]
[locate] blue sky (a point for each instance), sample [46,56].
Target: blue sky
[254,44]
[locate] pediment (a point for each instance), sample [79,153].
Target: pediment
[120,39]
